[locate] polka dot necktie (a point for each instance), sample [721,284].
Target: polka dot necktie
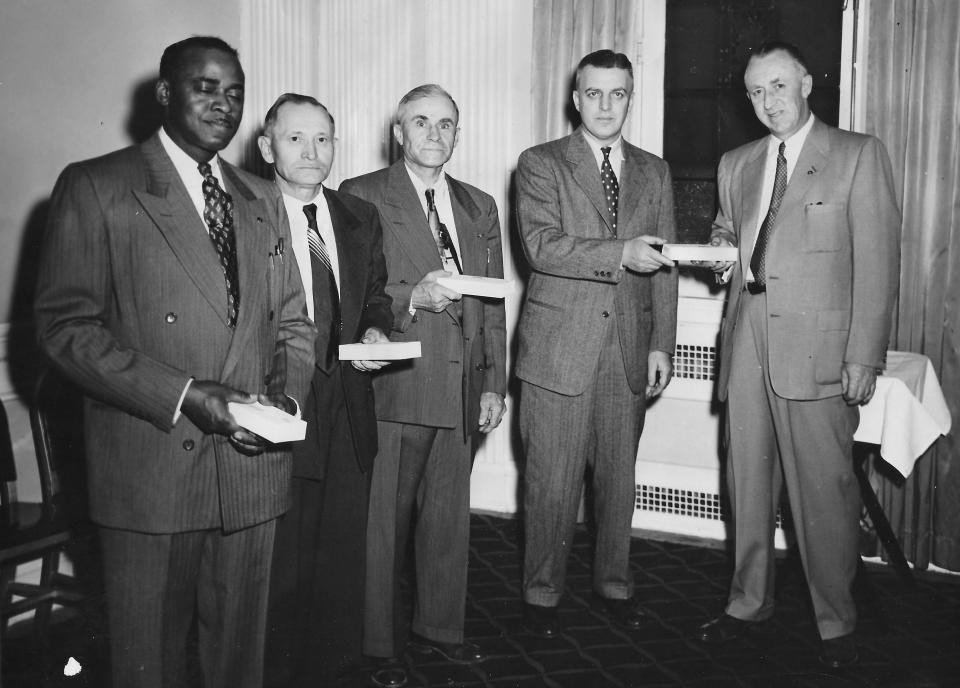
[611,188]
[218,214]
[758,261]
[326,298]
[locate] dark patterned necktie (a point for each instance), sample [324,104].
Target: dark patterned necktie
[326,298]
[218,214]
[448,252]
[611,188]
[758,261]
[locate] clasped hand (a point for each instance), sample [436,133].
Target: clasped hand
[205,404]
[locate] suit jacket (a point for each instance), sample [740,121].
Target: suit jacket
[462,354]
[577,280]
[833,260]
[364,303]
[131,303]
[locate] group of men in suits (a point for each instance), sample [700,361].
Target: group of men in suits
[173,284]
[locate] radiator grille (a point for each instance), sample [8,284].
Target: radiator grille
[680,502]
[695,362]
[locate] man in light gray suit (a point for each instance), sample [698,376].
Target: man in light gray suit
[596,335]
[814,214]
[164,294]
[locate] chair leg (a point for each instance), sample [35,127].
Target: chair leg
[48,571]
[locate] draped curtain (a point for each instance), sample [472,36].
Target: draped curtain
[565,32]
[912,103]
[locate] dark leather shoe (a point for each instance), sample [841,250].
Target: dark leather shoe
[388,672]
[541,621]
[625,612]
[722,629]
[463,653]
[837,653]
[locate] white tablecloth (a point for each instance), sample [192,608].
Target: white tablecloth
[907,412]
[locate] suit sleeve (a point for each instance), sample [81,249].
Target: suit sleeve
[494,311]
[376,300]
[549,248]
[663,336]
[723,223]
[874,221]
[72,303]
[294,354]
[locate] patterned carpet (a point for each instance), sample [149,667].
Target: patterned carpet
[907,637]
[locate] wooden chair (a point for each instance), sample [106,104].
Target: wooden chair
[40,531]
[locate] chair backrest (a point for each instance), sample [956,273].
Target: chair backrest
[56,416]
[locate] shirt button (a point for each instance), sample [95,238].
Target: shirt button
[170,318]
[188,445]
[605,314]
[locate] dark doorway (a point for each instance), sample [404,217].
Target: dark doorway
[706,111]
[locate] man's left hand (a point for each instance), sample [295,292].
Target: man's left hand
[858,383]
[373,335]
[659,372]
[492,408]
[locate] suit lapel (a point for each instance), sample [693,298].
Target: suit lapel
[751,187]
[254,243]
[635,181]
[405,218]
[351,257]
[168,204]
[813,157]
[465,215]
[585,172]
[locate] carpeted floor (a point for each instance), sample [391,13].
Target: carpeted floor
[907,637]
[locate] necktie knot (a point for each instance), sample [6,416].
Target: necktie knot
[431,205]
[205,169]
[782,149]
[310,210]
[606,152]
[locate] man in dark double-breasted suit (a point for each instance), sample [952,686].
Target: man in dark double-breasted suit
[430,409]
[596,335]
[162,296]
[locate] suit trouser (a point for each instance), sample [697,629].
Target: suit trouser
[157,583]
[421,472]
[561,435]
[315,618]
[807,445]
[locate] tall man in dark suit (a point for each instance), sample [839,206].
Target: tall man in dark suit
[430,409]
[162,295]
[596,336]
[813,211]
[317,586]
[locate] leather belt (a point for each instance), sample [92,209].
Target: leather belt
[754,288]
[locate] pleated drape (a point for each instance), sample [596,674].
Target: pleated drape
[912,103]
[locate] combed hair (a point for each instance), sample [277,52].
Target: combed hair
[425,91]
[171,62]
[604,59]
[270,119]
[790,49]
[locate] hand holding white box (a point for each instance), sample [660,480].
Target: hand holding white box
[270,422]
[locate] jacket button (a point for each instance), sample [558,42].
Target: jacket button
[596,273]
[170,318]
[480,367]
[605,314]
[188,445]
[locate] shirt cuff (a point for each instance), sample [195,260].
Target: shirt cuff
[183,395]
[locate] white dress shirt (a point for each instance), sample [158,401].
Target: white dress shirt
[791,152]
[301,249]
[616,152]
[441,199]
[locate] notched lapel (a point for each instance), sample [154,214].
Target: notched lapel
[751,188]
[404,217]
[466,214]
[587,175]
[636,181]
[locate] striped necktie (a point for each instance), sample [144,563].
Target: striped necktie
[326,298]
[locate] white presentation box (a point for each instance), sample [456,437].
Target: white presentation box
[492,287]
[688,253]
[380,351]
[270,422]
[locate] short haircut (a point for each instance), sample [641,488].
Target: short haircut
[424,91]
[171,62]
[270,119]
[604,59]
[768,47]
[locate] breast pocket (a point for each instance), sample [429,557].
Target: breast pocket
[826,227]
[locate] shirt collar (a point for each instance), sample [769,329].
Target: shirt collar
[793,144]
[439,188]
[616,148]
[185,165]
